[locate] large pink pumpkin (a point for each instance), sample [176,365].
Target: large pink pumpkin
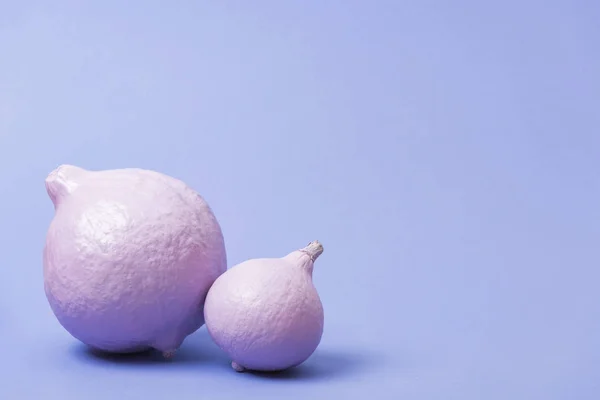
[129,258]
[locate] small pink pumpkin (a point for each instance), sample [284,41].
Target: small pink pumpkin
[266,313]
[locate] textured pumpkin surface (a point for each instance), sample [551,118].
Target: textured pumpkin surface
[265,313]
[129,258]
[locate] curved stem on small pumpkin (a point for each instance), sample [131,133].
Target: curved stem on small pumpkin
[314,249]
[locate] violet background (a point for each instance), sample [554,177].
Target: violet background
[445,153]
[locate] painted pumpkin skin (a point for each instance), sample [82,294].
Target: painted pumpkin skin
[129,258]
[266,313]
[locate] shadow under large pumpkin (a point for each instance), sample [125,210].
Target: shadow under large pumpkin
[197,348]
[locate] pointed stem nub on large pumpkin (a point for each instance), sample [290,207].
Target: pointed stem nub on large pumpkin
[62,181]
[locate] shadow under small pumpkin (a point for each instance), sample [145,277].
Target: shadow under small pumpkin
[199,351]
[322,365]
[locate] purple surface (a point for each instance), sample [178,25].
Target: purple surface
[445,153]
